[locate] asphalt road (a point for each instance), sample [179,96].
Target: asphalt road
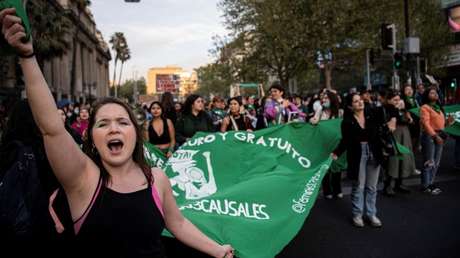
[415,225]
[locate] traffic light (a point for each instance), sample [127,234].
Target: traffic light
[387,36]
[453,83]
[397,60]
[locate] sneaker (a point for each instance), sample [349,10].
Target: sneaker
[339,196]
[435,190]
[417,172]
[375,222]
[329,196]
[426,190]
[402,189]
[358,221]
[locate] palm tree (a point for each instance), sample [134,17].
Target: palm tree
[118,42]
[125,55]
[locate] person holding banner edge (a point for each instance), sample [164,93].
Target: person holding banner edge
[116,146]
[364,156]
[235,121]
[432,122]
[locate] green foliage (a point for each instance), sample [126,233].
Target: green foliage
[215,79]
[49,29]
[126,90]
[282,38]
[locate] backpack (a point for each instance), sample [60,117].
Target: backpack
[21,194]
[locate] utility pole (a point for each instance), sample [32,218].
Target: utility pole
[409,55]
[368,69]
[394,48]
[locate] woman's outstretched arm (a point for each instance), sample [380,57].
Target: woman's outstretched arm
[67,160]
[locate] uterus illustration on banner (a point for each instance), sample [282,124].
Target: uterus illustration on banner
[190,179]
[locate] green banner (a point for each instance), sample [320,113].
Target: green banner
[248,85]
[252,190]
[453,110]
[241,187]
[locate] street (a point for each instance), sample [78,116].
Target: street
[414,225]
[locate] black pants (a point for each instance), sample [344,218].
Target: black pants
[332,183]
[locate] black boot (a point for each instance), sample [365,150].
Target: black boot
[387,188]
[400,188]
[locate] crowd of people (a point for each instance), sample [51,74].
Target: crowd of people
[373,124]
[103,165]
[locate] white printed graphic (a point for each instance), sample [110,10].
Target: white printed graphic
[190,179]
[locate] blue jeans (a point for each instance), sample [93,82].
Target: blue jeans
[432,153]
[364,190]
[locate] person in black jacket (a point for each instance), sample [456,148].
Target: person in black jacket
[193,119]
[364,156]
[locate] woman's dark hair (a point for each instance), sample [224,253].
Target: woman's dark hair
[138,153]
[391,94]
[167,102]
[348,104]
[277,85]
[20,127]
[237,99]
[334,104]
[426,97]
[161,107]
[187,108]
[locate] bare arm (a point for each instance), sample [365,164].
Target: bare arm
[66,158]
[224,125]
[172,135]
[181,227]
[145,131]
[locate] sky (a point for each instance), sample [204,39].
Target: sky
[161,32]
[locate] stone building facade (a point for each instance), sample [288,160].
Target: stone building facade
[89,70]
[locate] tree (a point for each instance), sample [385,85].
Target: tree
[125,55]
[214,79]
[127,89]
[283,37]
[49,28]
[118,42]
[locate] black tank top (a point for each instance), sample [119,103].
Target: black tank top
[164,138]
[240,122]
[122,225]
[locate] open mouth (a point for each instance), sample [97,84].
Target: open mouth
[115,145]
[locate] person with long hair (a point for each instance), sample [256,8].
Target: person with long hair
[81,124]
[364,156]
[168,106]
[194,119]
[235,120]
[398,169]
[410,102]
[329,109]
[118,204]
[217,112]
[432,122]
[160,131]
[36,229]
